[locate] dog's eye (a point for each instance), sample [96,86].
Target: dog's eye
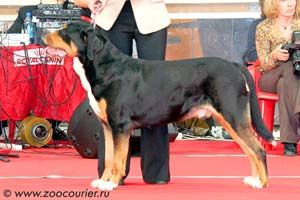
[83,36]
[63,33]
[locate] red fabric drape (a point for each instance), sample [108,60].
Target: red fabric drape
[47,90]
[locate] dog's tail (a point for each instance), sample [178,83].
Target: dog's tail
[258,123]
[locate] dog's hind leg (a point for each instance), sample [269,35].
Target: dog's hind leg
[249,144]
[257,158]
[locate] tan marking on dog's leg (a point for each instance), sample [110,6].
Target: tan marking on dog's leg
[108,137]
[109,143]
[249,138]
[121,142]
[258,163]
[109,153]
[257,166]
[104,183]
[103,106]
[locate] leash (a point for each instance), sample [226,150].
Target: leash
[4,157]
[93,21]
[98,8]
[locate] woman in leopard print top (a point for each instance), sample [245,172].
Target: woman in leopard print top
[278,72]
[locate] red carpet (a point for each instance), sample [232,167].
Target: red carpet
[199,170]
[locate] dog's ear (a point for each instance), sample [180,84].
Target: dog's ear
[93,44]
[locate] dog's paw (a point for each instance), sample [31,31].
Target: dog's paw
[103,185]
[254,182]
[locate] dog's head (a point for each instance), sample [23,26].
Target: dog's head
[77,39]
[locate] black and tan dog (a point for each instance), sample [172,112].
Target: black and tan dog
[134,93]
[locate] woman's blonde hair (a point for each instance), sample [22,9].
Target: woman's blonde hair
[270,8]
[53,1]
[261,5]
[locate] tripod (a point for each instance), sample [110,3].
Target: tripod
[4,156]
[7,147]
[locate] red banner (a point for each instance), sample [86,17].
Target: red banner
[38,80]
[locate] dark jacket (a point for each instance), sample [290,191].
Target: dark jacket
[251,54]
[17,26]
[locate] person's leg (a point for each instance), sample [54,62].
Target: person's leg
[283,81]
[120,39]
[268,81]
[287,89]
[151,46]
[122,32]
[287,121]
[155,140]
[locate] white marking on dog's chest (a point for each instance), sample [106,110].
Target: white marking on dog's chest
[78,68]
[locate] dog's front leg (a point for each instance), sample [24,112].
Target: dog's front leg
[105,183]
[121,143]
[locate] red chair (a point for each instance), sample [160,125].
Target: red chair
[266,100]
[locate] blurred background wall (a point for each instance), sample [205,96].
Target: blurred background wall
[199,27]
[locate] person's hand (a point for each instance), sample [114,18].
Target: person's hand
[280,54]
[96,6]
